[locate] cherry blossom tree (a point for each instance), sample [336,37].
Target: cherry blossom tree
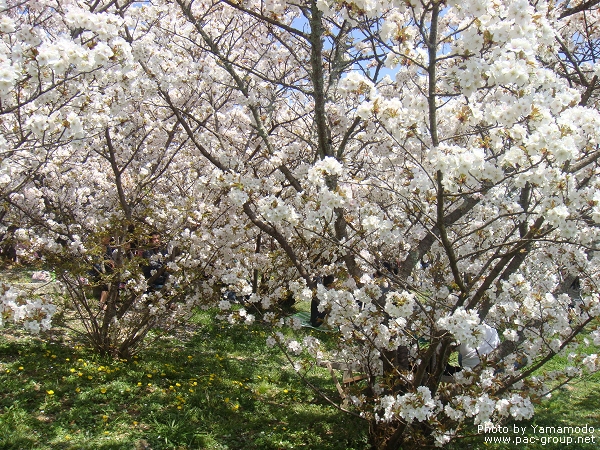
[92,168]
[38,110]
[439,158]
[471,166]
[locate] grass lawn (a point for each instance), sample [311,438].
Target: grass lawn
[219,388]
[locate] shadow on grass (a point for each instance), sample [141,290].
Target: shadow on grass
[220,389]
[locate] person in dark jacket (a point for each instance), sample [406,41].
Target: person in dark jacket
[155,254]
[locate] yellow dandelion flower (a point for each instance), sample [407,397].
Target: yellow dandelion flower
[103,390]
[20,367]
[77,390]
[149,375]
[50,392]
[90,377]
[72,370]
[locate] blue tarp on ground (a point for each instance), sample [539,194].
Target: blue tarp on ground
[304,318]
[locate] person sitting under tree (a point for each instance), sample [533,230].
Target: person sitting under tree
[317,317]
[155,254]
[471,356]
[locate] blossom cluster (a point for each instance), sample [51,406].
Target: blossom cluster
[34,313]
